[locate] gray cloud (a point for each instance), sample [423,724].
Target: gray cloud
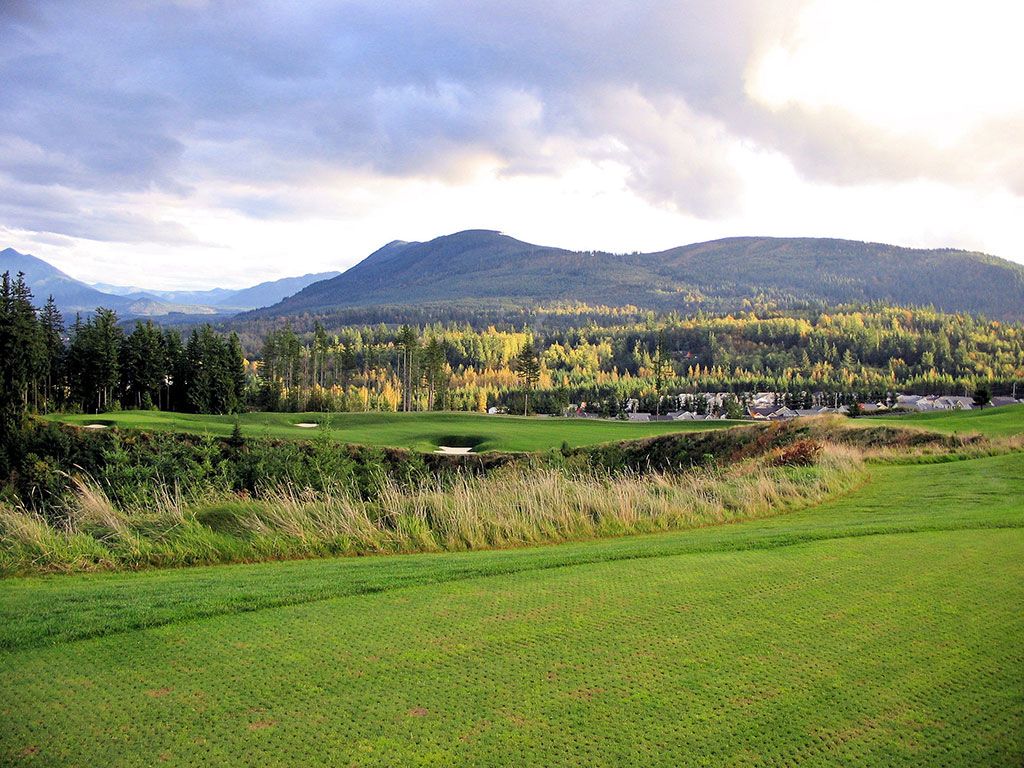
[113,97]
[56,212]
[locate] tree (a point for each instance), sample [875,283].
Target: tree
[982,395]
[52,327]
[21,349]
[434,364]
[236,370]
[144,364]
[408,343]
[346,362]
[662,369]
[94,361]
[527,366]
[321,343]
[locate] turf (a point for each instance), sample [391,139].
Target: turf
[883,628]
[995,422]
[416,431]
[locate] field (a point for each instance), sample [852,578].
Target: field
[417,431]
[994,422]
[880,628]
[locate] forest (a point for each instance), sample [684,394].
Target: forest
[604,359]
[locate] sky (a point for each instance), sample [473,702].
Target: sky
[194,144]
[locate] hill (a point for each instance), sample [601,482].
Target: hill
[74,296]
[487,267]
[45,280]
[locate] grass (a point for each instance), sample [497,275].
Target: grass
[880,628]
[1005,421]
[512,507]
[415,431]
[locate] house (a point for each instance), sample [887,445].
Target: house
[954,403]
[909,402]
[639,417]
[1001,400]
[872,407]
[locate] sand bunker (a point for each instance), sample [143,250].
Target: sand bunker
[452,450]
[308,425]
[96,426]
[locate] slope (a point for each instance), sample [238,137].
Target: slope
[44,279]
[486,267]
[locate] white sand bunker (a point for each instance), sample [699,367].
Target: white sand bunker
[308,425]
[452,450]
[96,426]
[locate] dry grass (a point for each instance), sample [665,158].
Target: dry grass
[508,508]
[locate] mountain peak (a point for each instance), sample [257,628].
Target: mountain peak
[486,266]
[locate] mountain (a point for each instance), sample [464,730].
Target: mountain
[226,299]
[45,279]
[486,267]
[271,292]
[74,296]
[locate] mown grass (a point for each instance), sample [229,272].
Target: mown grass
[978,493]
[414,431]
[882,628]
[512,507]
[1003,421]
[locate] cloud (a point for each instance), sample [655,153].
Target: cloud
[230,103]
[58,212]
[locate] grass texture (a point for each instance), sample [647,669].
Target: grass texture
[879,628]
[414,431]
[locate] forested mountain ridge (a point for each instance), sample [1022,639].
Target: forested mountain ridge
[483,266]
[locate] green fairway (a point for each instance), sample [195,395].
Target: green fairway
[995,422]
[883,628]
[416,431]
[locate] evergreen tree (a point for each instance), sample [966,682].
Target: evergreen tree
[52,328]
[434,364]
[236,370]
[527,366]
[19,350]
[144,365]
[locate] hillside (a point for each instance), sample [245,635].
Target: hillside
[45,280]
[486,267]
[73,296]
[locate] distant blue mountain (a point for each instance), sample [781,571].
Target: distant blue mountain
[73,296]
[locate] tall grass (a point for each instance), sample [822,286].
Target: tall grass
[510,507]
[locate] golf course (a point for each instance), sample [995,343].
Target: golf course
[415,431]
[880,627]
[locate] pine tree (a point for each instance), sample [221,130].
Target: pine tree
[52,327]
[527,366]
[434,364]
[236,370]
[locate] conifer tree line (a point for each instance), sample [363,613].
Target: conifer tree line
[814,357]
[95,365]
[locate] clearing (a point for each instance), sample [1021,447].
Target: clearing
[415,431]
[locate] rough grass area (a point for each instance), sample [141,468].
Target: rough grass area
[511,507]
[414,431]
[880,629]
